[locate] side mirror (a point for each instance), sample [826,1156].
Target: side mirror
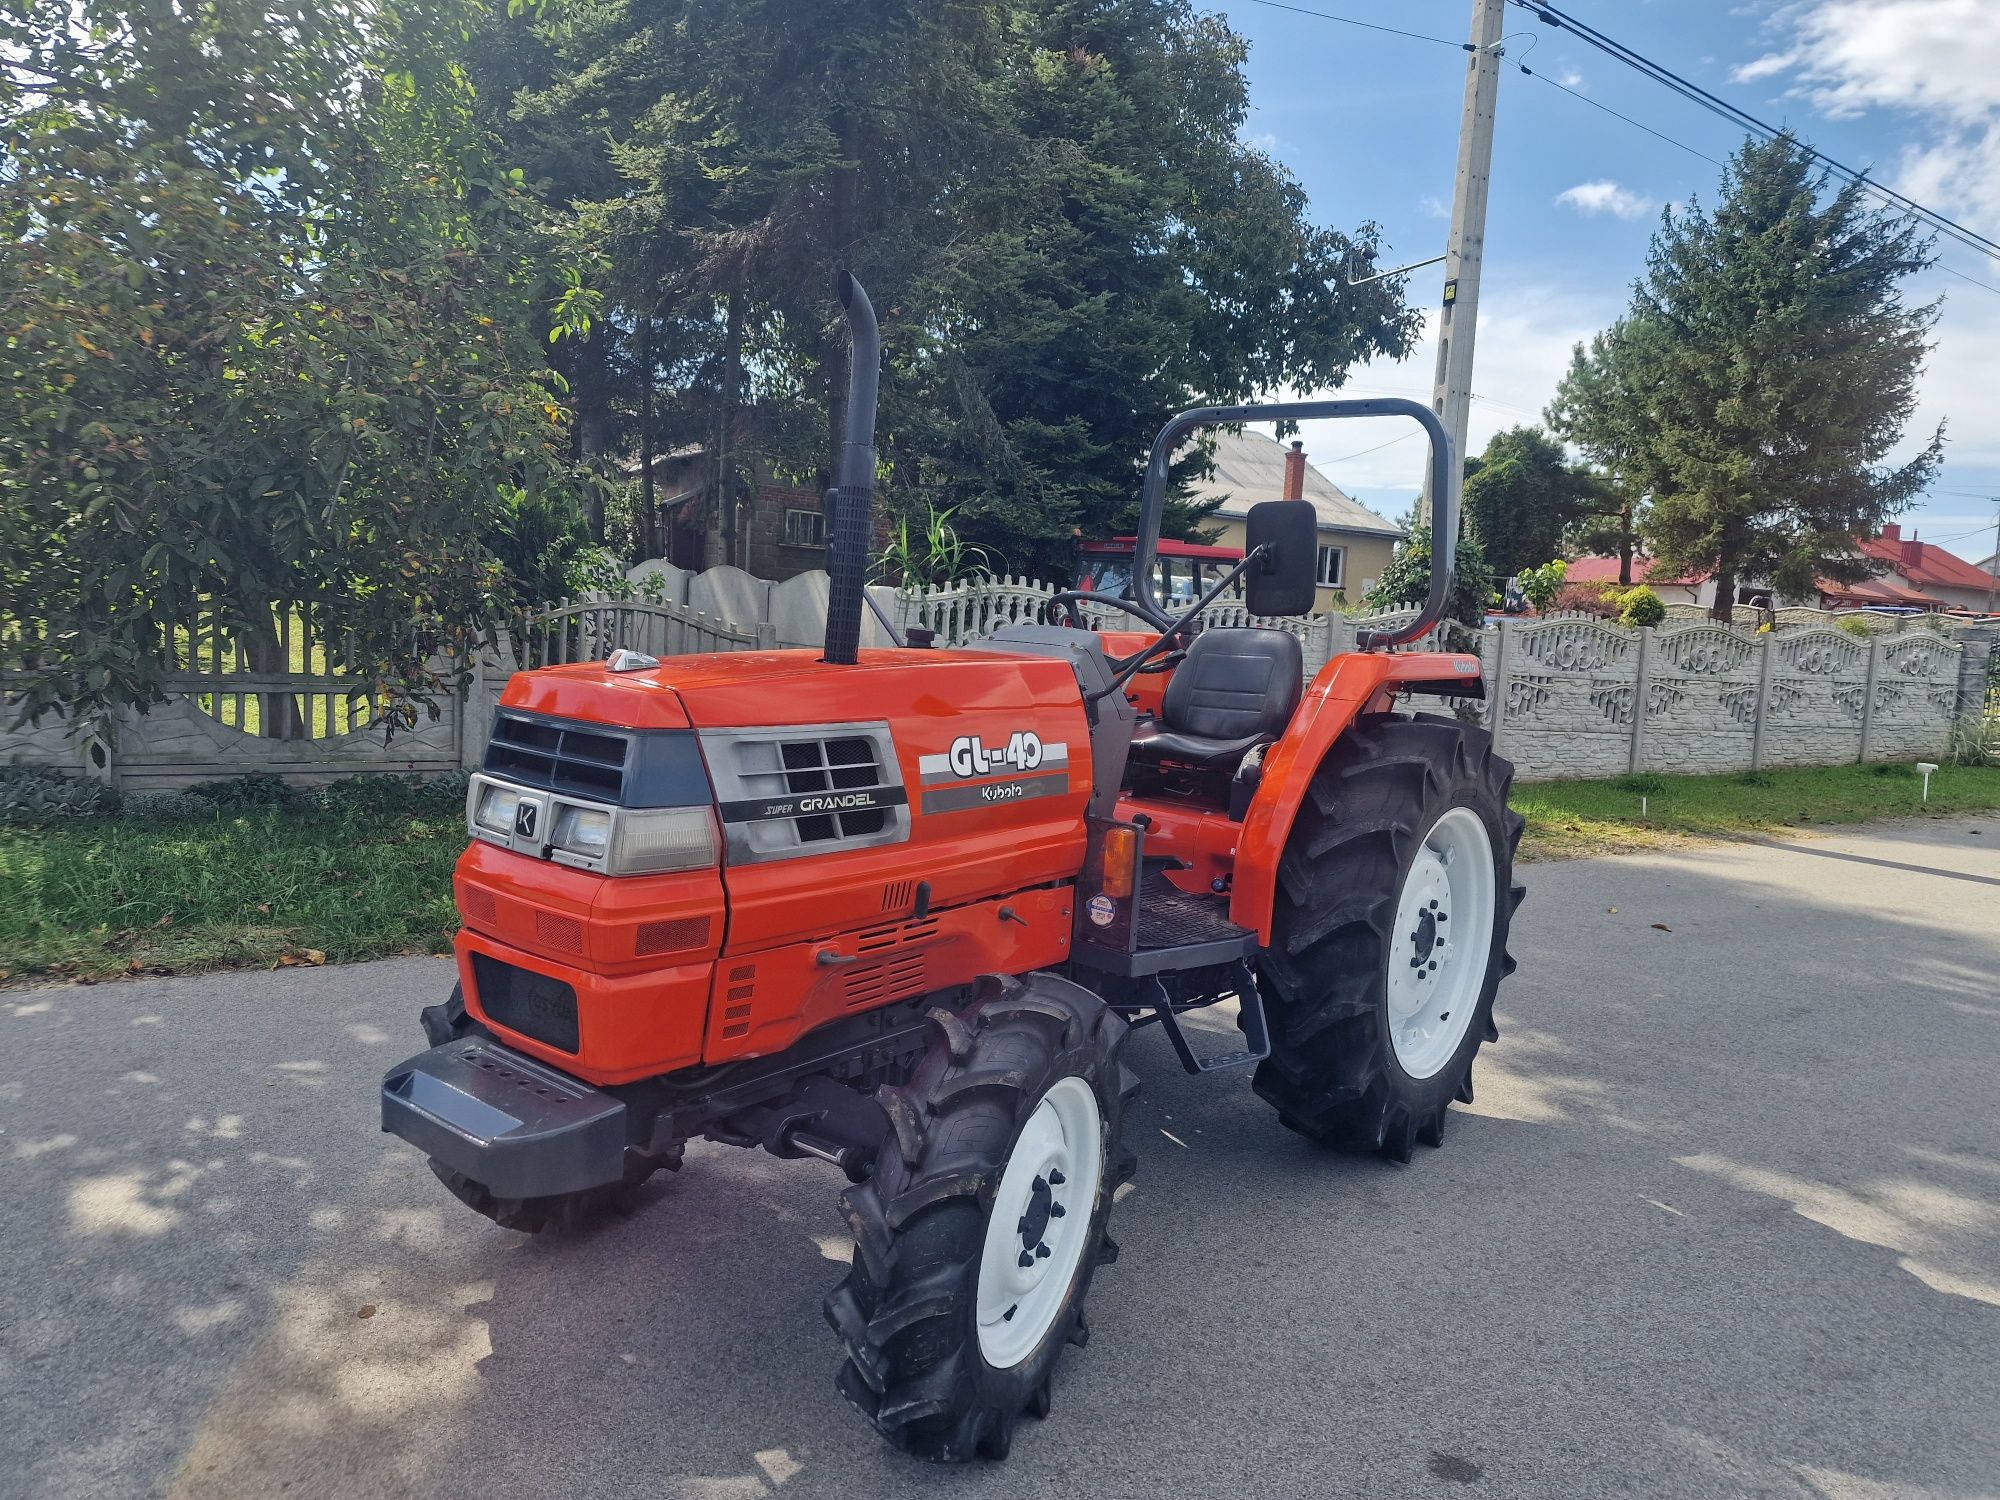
[1284,581]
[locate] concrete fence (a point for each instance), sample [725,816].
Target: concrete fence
[1566,697]
[1575,698]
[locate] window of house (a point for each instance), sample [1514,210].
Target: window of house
[805,528]
[1332,567]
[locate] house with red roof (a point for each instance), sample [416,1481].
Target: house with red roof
[1909,574]
[1941,579]
[1645,570]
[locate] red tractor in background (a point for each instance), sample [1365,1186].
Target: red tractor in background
[899,909]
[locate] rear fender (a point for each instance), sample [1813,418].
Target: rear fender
[1351,684]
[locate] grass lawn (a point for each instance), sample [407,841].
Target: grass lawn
[104,896]
[1571,818]
[369,875]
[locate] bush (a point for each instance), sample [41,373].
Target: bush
[1540,585]
[1641,606]
[166,807]
[392,796]
[1853,625]
[1586,599]
[258,789]
[34,796]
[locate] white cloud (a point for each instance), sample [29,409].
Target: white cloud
[1433,207]
[1938,60]
[1525,337]
[1770,64]
[1606,197]
[1569,78]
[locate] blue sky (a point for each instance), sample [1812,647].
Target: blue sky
[1909,89]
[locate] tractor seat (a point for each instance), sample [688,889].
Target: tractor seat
[1236,690]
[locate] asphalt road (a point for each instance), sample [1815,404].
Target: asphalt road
[1725,1220]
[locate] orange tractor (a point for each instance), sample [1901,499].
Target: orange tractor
[899,909]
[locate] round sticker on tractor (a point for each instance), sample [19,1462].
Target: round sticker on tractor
[1101,910]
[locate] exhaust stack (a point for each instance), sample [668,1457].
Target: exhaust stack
[850,506]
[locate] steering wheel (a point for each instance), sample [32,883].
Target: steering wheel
[1069,598]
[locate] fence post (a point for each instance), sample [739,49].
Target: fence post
[1496,707]
[1764,660]
[1641,687]
[767,636]
[1868,696]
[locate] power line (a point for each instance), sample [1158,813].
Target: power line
[1349,457]
[1656,134]
[1324,15]
[1696,94]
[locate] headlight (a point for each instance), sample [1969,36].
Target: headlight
[495,809]
[650,840]
[585,831]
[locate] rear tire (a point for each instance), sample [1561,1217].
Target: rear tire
[1378,1006]
[970,1268]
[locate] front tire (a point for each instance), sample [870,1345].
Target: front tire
[979,1230]
[1389,939]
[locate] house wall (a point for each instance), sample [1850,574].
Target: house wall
[1367,557]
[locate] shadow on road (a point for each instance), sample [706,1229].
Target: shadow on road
[1721,1221]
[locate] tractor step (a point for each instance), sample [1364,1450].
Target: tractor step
[1170,930]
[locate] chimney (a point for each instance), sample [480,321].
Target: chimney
[1913,553]
[1892,531]
[1295,472]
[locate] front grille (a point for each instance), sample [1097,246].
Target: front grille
[521,1000]
[560,757]
[835,765]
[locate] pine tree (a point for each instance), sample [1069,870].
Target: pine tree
[1768,366]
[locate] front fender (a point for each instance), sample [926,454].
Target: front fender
[1350,684]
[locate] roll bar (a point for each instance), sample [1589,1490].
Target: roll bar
[1444,524]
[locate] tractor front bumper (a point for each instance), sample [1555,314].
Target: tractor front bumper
[516,1126]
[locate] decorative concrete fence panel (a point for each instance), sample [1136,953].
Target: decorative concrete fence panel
[671,586]
[1563,699]
[730,594]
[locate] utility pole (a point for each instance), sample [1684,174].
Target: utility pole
[1993,562]
[1459,316]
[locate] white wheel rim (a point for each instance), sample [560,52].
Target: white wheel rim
[1440,943]
[1042,1214]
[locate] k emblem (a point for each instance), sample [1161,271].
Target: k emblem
[524,820]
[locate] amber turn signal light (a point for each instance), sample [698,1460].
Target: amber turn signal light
[1121,858]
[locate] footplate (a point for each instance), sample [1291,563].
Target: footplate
[517,1127]
[1148,925]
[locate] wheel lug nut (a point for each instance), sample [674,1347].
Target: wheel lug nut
[1026,1260]
[1057,1211]
[1056,1178]
[1042,1252]
[1039,1187]
[1022,1227]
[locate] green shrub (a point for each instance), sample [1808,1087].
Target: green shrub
[1539,586]
[258,789]
[35,796]
[389,796]
[166,807]
[1854,625]
[1641,606]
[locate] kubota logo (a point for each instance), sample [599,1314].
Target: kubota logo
[524,820]
[1022,752]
